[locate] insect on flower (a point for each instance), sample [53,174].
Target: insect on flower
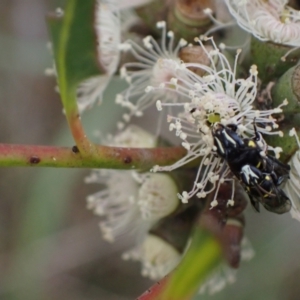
[260,174]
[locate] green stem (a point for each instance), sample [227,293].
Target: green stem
[102,157]
[85,146]
[205,251]
[74,49]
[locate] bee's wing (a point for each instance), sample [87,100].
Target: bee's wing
[276,202]
[273,164]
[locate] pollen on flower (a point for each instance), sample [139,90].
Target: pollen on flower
[149,89]
[182,42]
[207,11]
[222,46]
[183,135]
[292,132]
[158,105]
[184,197]
[253,70]
[174,81]
[277,151]
[161,24]
[155,169]
[230,202]
[201,194]
[213,203]
[172,126]
[277,110]
[170,34]
[186,145]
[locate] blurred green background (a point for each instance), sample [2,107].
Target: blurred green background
[50,245]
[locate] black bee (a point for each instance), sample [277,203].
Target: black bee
[261,174]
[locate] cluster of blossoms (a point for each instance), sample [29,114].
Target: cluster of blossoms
[190,96]
[131,203]
[217,96]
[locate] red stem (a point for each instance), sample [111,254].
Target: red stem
[103,157]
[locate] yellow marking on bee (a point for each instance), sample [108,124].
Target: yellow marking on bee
[251,144]
[268,177]
[258,165]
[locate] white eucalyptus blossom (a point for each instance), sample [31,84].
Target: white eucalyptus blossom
[217,97]
[292,186]
[157,256]
[115,203]
[108,30]
[271,20]
[156,63]
[130,201]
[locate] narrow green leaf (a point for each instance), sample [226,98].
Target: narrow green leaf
[75,47]
[201,259]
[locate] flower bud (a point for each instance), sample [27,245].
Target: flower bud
[157,196]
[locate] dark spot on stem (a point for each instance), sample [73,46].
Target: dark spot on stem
[34,160]
[75,149]
[127,160]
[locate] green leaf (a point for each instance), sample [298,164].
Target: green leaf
[74,46]
[201,259]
